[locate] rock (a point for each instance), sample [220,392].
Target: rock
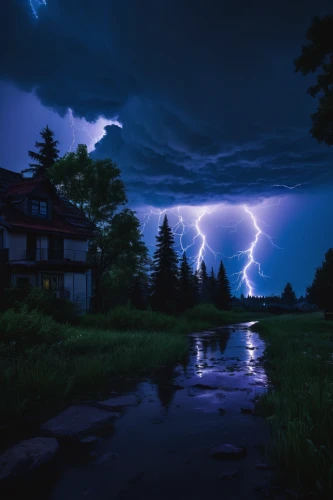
[229,474]
[77,422]
[250,348]
[156,420]
[106,457]
[26,457]
[119,401]
[248,411]
[227,451]
[264,466]
[203,386]
[90,442]
[221,411]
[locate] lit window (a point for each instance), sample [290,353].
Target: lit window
[46,282]
[39,208]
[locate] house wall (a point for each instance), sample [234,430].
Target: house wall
[17,243]
[77,283]
[75,249]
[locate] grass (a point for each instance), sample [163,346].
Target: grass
[46,379]
[45,366]
[300,410]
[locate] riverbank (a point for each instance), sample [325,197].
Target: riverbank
[45,366]
[299,363]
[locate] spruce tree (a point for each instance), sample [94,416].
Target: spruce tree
[196,287]
[47,155]
[164,277]
[223,299]
[212,287]
[321,290]
[203,280]
[186,285]
[288,295]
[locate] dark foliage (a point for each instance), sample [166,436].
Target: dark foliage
[317,56]
[164,278]
[204,283]
[223,295]
[187,286]
[47,154]
[321,290]
[288,295]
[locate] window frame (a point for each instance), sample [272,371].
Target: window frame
[37,202]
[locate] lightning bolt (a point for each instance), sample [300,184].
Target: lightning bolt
[34,6]
[290,187]
[242,276]
[79,126]
[182,227]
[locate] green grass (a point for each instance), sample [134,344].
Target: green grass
[300,409]
[200,317]
[46,379]
[44,366]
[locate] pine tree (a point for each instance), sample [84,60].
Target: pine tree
[48,154]
[321,290]
[164,278]
[186,285]
[203,280]
[288,295]
[196,287]
[223,299]
[212,287]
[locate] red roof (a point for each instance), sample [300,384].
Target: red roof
[17,219]
[66,217]
[25,186]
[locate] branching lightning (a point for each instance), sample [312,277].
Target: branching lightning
[182,227]
[34,6]
[242,276]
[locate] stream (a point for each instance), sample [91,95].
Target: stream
[160,447]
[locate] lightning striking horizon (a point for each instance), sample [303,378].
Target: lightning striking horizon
[183,226]
[242,276]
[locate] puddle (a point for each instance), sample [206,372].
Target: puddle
[160,448]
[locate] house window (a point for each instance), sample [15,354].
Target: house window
[54,282]
[56,248]
[39,208]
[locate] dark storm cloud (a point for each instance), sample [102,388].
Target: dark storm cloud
[206,91]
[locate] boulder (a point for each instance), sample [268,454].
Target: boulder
[26,457]
[227,452]
[77,422]
[208,387]
[119,401]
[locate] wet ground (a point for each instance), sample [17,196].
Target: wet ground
[160,448]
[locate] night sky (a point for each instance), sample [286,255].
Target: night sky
[201,107]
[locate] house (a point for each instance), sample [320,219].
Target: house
[43,239]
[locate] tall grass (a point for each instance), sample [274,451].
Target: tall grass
[200,317]
[300,410]
[45,379]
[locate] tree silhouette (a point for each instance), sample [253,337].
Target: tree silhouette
[288,295]
[48,154]
[321,290]
[164,278]
[203,280]
[212,287]
[223,297]
[196,287]
[186,285]
[318,54]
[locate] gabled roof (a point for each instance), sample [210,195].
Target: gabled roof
[7,179]
[25,186]
[66,217]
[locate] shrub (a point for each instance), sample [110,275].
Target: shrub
[61,310]
[26,328]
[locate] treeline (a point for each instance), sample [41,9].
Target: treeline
[173,287]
